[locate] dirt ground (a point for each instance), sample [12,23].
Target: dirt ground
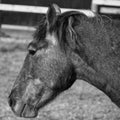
[81,102]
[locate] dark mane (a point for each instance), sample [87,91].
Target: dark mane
[94,37]
[62,29]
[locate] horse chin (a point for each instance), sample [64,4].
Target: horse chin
[29,112]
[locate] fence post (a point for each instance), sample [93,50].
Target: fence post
[1,19]
[0,16]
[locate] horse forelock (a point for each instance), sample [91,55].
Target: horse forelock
[41,30]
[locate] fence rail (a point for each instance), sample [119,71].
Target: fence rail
[40,9]
[33,9]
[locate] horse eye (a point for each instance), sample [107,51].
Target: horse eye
[32,50]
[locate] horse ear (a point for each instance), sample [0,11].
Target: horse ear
[71,35]
[52,13]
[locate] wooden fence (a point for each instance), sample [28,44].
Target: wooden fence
[28,13]
[19,15]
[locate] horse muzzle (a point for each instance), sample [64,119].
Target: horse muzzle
[22,109]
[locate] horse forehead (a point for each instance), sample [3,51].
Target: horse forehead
[52,38]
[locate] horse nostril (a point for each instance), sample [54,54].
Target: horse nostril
[12,102]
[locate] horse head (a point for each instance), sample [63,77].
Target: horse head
[47,69]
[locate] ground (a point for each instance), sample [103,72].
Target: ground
[81,102]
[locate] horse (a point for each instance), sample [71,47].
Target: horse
[66,47]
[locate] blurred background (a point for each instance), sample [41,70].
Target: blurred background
[18,20]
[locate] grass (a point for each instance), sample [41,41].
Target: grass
[81,102]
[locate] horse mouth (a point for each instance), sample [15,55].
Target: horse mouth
[24,110]
[27,109]
[29,112]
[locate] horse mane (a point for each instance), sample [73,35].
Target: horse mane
[93,39]
[81,21]
[62,29]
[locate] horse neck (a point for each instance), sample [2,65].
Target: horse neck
[87,73]
[97,79]
[96,46]
[96,41]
